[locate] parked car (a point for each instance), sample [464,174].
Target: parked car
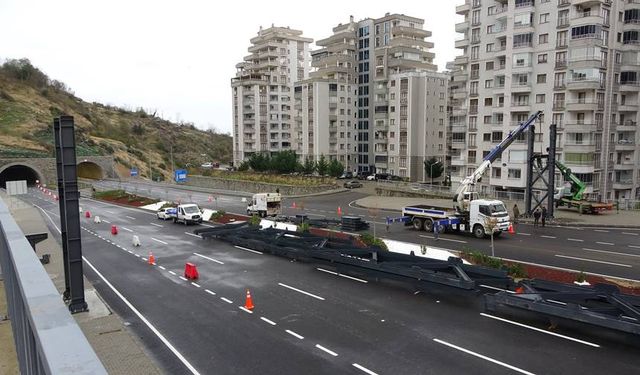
[371,177]
[346,175]
[381,176]
[352,184]
[361,175]
[394,178]
[166,213]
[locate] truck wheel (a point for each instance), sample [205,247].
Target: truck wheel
[428,225]
[417,223]
[478,231]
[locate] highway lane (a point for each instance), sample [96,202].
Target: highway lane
[385,328]
[605,251]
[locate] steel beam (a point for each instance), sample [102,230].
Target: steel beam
[529,191]
[63,225]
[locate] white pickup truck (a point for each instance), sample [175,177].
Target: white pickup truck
[188,214]
[265,204]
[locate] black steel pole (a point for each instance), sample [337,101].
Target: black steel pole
[551,166]
[71,215]
[63,227]
[529,190]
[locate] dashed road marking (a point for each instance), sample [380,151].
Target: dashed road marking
[443,239]
[634,246]
[106,221]
[540,330]
[326,350]
[192,234]
[210,292]
[109,212]
[601,230]
[162,268]
[173,273]
[137,255]
[183,278]
[127,229]
[341,275]
[294,334]
[143,258]
[226,300]
[130,252]
[629,233]
[575,239]
[130,217]
[206,257]
[268,321]
[605,243]
[195,284]
[301,291]
[594,261]
[362,368]
[157,225]
[483,357]
[524,234]
[160,241]
[245,249]
[545,236]
[245,309]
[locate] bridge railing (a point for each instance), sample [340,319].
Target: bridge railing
[47,339]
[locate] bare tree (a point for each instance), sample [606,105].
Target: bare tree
[491,225]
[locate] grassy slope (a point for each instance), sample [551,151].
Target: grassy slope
[134,138]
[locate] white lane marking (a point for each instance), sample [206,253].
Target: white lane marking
[207,225]
[601,230]
[130,217]
[196,285]
[605,243]
[366,370]
[157,225]
[106,221]
[245,309]
[226,300]
[541,330]
[210,292]
[143,258]
[575,239]
[137,255]
[211,259]
[301,291]
[443,239]
[634,246]
[268,321]
[173,273]
[594,261]
[345,276]
[629,233]
[145,321]
[524,234]
[496,288]
[353,278]
[109,212]
[160,241]
[483,357]
[294,334]
[127,229]
[183,278]
[611,252]
[162,268]
[192,234]
[245,249]
[545,236]
[326,350]
[130,252]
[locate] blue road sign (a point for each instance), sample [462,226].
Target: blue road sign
[133,172]
[181,175]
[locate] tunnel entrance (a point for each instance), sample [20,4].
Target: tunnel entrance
[19,172]
[90,170]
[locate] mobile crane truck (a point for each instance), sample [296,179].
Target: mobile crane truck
[470,214]
[573,196]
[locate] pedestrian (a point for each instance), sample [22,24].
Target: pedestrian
[516,213]
[436,233]
[543,216]
[536,217]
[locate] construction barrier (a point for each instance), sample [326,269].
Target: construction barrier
[136,241]
[114,230]
[87,214]
[190,271]
[96,219]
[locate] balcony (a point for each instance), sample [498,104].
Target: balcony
[627,126]
[563,3]
[623,184]
[524,4]
[581,127]
[520,87]
[563,22]
[624,166]
[463,9]
[558,105]
[629,86]
[561,64]
[584,84]
[588,18]
[461,27]
[625,145]
[581,105]
[628,107]
[462,43]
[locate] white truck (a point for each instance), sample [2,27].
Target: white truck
[482,217]
[188,214]
[265,204]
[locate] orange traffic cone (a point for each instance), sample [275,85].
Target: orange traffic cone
[152,259]
[339,211]
[520,290]
[249,303]
[511,230]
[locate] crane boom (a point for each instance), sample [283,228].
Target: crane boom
[577,186]
[496,152]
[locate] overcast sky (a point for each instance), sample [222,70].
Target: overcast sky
[178,56]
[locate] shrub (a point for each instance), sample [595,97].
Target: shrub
[254,221]
[517,270]
[218,215]
[303,227]
[581,277]
[369,239]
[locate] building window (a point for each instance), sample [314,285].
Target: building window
[540,98]
[496,172]
[543,38]
[542,78]
[544,18]
[514,173]
[542,58]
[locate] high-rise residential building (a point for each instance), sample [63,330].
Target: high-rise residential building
[346,108]
[577,61]
[263,92]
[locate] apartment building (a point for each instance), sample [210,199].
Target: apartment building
[577,61]
[262,92]
[346,110]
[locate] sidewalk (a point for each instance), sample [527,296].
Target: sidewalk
[563,216]
[115,345]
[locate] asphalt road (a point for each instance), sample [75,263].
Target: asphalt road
[308,320]
[604,251]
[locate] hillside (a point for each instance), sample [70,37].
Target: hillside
[29,101]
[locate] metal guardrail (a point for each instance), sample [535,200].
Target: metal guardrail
[47,339]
